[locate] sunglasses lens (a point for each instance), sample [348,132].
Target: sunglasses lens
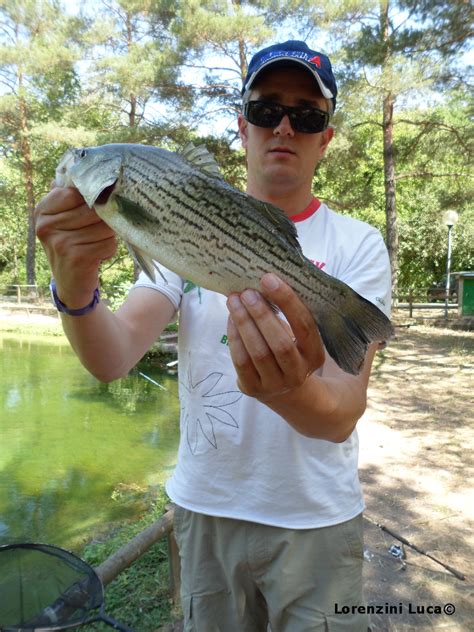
[309,120]
[264,114]
[303,119]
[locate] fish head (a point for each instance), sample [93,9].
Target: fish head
[94,171]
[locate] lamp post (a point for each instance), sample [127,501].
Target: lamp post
[449,219]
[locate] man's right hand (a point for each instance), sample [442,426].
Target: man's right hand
[76,241]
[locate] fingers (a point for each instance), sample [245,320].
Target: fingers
[251,345]
[70,220]
[268,359]
[58,200]
[241,359]
[299,318]
[75,240]
[63,210]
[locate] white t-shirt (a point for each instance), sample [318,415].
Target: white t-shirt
[237,458]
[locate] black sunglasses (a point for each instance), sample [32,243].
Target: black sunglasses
[304,118]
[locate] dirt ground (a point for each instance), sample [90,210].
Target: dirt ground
[416,456]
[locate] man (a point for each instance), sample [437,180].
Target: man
[269,506]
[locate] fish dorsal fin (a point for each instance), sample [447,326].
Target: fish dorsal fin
[200,157]
[284,226]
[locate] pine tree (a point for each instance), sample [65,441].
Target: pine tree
[37,54]
[391,51]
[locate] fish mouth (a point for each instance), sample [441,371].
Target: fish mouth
[105,194]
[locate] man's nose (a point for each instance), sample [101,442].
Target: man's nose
[284,127]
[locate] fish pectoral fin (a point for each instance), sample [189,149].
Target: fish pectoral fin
[145,262]
[200,157]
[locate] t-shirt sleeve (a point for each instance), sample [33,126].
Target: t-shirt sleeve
[170,284]
[368,272]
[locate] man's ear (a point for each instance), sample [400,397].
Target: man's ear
[243,130]
[327,136]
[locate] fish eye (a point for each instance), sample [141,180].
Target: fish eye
[82,153]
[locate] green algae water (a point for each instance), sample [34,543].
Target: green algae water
[75,454]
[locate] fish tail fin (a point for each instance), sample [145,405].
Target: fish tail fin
[348,330]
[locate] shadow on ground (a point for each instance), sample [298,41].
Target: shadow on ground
[415,466]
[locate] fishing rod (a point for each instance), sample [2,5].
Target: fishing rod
[150,379]
[399,537]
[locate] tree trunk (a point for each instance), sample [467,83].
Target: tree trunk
[28,181]
[132,112]
[389,184]
[242,55]
[242,59]
[388,157]
[133,98]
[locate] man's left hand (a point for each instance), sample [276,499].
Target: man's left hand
[270,357]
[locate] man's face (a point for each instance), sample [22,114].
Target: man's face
[280,158]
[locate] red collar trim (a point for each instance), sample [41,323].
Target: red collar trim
[308,211]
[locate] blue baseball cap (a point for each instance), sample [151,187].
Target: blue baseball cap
[296,52]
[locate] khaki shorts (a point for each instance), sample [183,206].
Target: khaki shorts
[239,576]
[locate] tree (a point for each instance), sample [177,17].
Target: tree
[391,50]
[37,53]
[429,181]
[136,58]
[217,36]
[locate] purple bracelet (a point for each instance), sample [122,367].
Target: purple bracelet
[73,312]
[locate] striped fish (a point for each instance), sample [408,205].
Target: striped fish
[177,210]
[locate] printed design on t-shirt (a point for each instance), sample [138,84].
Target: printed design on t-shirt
[205,403]
[189,285]
[318,264]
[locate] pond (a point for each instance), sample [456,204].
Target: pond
[75,454]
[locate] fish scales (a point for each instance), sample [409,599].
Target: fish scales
[219,226]
[166,179]
[193,222]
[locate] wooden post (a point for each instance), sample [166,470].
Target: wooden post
[18,294]
[174,568]
[174,564]
[410,302]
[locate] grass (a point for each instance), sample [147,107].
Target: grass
[139,597]
[10,326]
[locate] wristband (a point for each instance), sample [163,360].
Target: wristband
[73,312]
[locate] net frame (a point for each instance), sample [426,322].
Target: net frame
[88,587]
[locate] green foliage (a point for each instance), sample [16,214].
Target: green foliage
[393,57]
[216,38]
[433,174]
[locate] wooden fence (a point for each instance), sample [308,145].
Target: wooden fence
[412,299]
[414,305]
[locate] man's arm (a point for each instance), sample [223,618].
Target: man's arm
[76,241]
[108,343]
[276,364]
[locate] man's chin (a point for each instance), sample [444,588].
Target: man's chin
[282,173]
